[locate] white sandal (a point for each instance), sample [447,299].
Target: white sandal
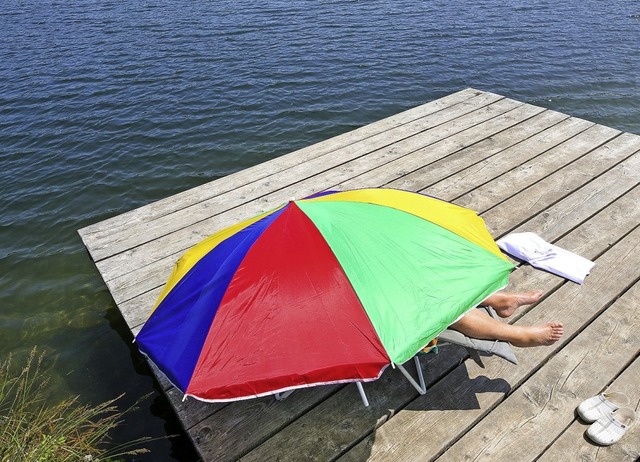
[611,427]
[592,409]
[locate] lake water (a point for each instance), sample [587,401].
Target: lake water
[107,106]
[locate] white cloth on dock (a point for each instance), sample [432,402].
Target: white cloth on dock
[538,253]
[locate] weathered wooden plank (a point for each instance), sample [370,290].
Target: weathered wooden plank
[534,415]
[480,173]
[470,153]
[418,429]
[610,163]
[230,182]
[619,180]
[107,243]
[190,411]
[426,154]
[236,428]
[137,310]
[573,445]
[534,170]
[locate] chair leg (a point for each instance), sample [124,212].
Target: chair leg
[283,396]
[423,386]
[422,389]
[475,355]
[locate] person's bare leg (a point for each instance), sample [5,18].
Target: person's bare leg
[505,303]
[480,325]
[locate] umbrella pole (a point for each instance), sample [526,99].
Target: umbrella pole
[422,388]
[365,401]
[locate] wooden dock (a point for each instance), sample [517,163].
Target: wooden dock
[523,168]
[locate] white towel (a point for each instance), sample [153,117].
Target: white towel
[537,252]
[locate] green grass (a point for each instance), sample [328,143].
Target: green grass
[32,430]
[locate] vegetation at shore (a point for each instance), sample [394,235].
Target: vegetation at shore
[33,430]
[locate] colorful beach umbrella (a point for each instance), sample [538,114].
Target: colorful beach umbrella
[328,289]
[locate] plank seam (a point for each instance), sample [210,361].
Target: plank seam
[501,152]
[595,213]
[464,147]
[549,173]
[286,424]
[561,198]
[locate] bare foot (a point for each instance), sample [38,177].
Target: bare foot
[505,303]
[540,335]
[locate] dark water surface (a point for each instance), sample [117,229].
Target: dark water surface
[107,106]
